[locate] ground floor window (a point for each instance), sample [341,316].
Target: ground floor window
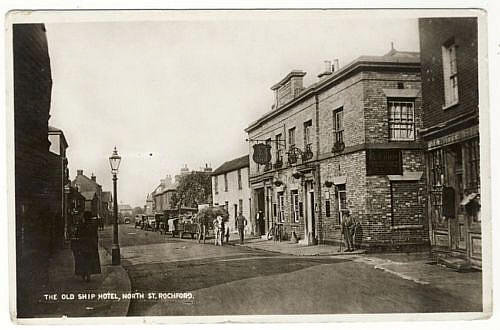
[295,205]
[342,201]
[281,207]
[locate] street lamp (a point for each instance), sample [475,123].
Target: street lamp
[114,161]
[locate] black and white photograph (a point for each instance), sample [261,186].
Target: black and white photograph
[248,163]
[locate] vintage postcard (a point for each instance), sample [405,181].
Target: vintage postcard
[248,165]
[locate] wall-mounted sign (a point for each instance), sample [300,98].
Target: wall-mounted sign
[261,153]
[384,162]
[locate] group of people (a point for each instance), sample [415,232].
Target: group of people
[222,232]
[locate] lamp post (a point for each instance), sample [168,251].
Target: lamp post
[114,161]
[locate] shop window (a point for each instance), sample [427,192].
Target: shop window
[295,205]
[401,120]
[472,162]
[450,74]
[437,167]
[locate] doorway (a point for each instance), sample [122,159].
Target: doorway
[260,209]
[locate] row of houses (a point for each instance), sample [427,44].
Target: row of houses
[165,201]
[393,139]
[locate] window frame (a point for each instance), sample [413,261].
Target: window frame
[240,183]
[393,121]
[450,74]
[338,132]
[307,134]
[294,197]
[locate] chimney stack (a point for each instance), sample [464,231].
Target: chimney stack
[79,172]
[336,65]
[93,177]
[328,70]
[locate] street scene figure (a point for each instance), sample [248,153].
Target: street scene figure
[348,230]
[241,223]
[260,223]
[218,230]
[85,248]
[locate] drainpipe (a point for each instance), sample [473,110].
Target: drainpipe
[319,217]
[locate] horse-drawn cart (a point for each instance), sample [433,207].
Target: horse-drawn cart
[205,221]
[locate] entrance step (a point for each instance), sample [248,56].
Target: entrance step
[458,264]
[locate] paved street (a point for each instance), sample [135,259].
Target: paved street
[239,280]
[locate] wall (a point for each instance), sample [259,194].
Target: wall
[233,195]
[434,32]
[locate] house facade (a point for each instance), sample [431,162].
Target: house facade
[449,48]
[88,185]
[58,180]
[230,188]
[32,95]
[348,142]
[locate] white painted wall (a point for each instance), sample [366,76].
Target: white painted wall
[233,195]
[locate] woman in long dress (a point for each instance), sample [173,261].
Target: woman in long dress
[85,248]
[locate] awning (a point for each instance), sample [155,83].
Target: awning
[407,176]
[467,199]
[406,92]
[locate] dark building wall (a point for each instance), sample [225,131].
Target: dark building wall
[32,94]
[434,33]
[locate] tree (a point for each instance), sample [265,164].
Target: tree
[137,210]
[193,189]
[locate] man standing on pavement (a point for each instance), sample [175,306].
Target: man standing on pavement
[347,229]
[241,223]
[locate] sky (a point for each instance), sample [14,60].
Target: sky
[173,91]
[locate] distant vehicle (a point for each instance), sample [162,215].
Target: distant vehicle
[138,221]
[127,220]
[150,223]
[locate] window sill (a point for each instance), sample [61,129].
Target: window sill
[402,227]
[449,106]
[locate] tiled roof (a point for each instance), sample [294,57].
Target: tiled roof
[232,165]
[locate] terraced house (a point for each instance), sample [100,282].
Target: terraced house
[347,142]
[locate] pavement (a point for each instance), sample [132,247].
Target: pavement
[296,249]
[73,294]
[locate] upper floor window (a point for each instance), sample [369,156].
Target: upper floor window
[338,125]
[401,120]
[240,186]
[216,184]
[291,137]
[225,181]
[450,74]
[308,135]
[279,146]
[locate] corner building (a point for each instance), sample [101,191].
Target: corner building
[356,129]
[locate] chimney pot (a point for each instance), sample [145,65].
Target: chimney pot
[336,64]
[328,66]
[93,177]
[79,172]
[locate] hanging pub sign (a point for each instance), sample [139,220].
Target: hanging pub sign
[261,153]
[384,162]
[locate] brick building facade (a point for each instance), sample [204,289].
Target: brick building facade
[32,95]
[358,150]
[449,48]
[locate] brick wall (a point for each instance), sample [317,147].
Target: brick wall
[32,94]
[376,113]
[434,33]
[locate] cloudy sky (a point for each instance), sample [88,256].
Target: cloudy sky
[178,90]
